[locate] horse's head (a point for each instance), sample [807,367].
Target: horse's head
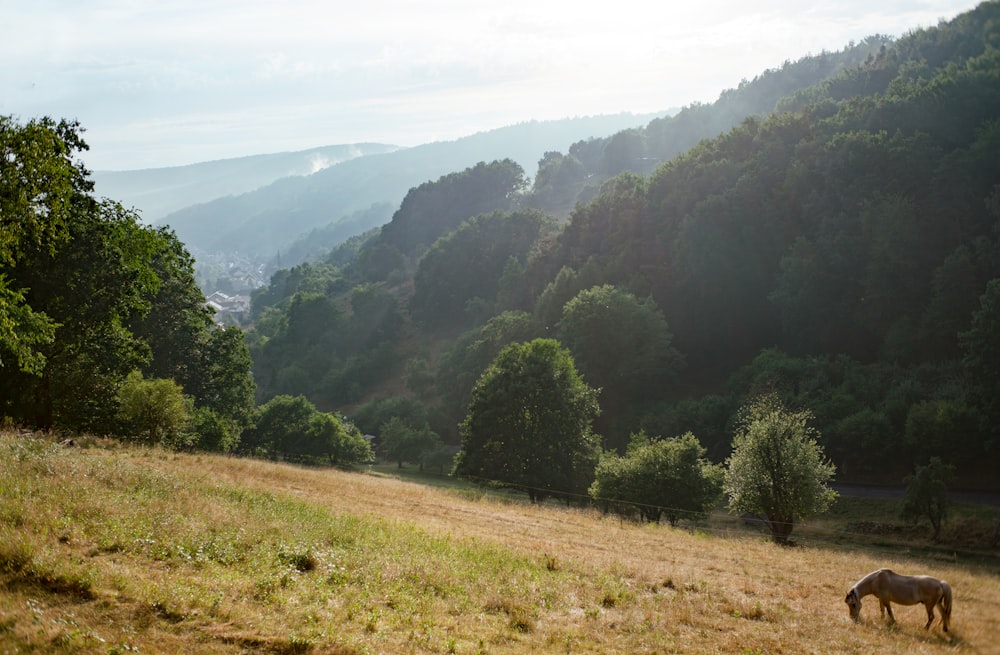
[853,603]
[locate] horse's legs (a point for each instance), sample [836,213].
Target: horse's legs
[930,613]
[888,608]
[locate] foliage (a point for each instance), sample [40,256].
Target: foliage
[38,183]
[777,468]
[927,493]
[291,427]
[825,231]
[632,366]
[470,263]
[156,410]
[659,477]
[529,423]
[981,359]
[468,357]
[401,442]
[92,295]
[434,209]
[215,433]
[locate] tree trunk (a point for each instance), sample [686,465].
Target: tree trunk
[780,530]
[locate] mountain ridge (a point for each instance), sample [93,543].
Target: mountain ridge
[159,191]
[263,220]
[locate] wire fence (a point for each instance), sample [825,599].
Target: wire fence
[724,523]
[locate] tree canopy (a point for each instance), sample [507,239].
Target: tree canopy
[89,295]
[777,469]
[529,423]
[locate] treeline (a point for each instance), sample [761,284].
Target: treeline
[103,329]
[838,248]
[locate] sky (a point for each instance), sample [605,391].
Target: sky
[171,82]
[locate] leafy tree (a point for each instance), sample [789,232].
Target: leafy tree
[659,477]
[469,356]
[38,182]
[621,344]
[223,381]
[470,263]
[529,423]
[945,426]
[404,443]
[777,468]
[434,209]
[155,409]
[370,416]
[927,493]
[283,424]
[328,437]
[94,285]
[375,318]
[214,432]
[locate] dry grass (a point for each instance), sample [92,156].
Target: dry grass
[123,550]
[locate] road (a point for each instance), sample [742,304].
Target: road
[870,491]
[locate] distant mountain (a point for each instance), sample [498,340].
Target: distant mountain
[157,192]
[261,222]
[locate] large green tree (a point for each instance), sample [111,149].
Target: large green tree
[777,469]
[623,345]
[39,180]
[529,423]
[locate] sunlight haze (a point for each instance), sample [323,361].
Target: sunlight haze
[162,84]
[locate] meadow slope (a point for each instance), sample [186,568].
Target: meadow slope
[109,549]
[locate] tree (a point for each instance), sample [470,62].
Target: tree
[981,361]
[777,468]
[469,356]
[282,424]
[469,263]
[38,182]
[156,409]
[631,365]
[529,423]
[94,285]
[404,443]
[659,477]
[328,437]
[927,493]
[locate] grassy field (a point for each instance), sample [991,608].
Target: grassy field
[108,549]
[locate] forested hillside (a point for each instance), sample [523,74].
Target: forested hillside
[838,246]
[263,221]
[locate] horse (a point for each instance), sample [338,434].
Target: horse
[891,587]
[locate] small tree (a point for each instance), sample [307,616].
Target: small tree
[283,427]
[777,469]
[404,443]
[342,444]
[668,477]
[927,493]
[156,409]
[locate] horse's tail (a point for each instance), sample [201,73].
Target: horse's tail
[945,604]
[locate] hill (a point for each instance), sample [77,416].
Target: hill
[262,222]
[116,550]
[840,250]
[157,192]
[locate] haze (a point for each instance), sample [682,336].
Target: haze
[170,83]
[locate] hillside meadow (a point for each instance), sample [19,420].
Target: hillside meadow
[112,549]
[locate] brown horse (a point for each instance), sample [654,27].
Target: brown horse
[891,587]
